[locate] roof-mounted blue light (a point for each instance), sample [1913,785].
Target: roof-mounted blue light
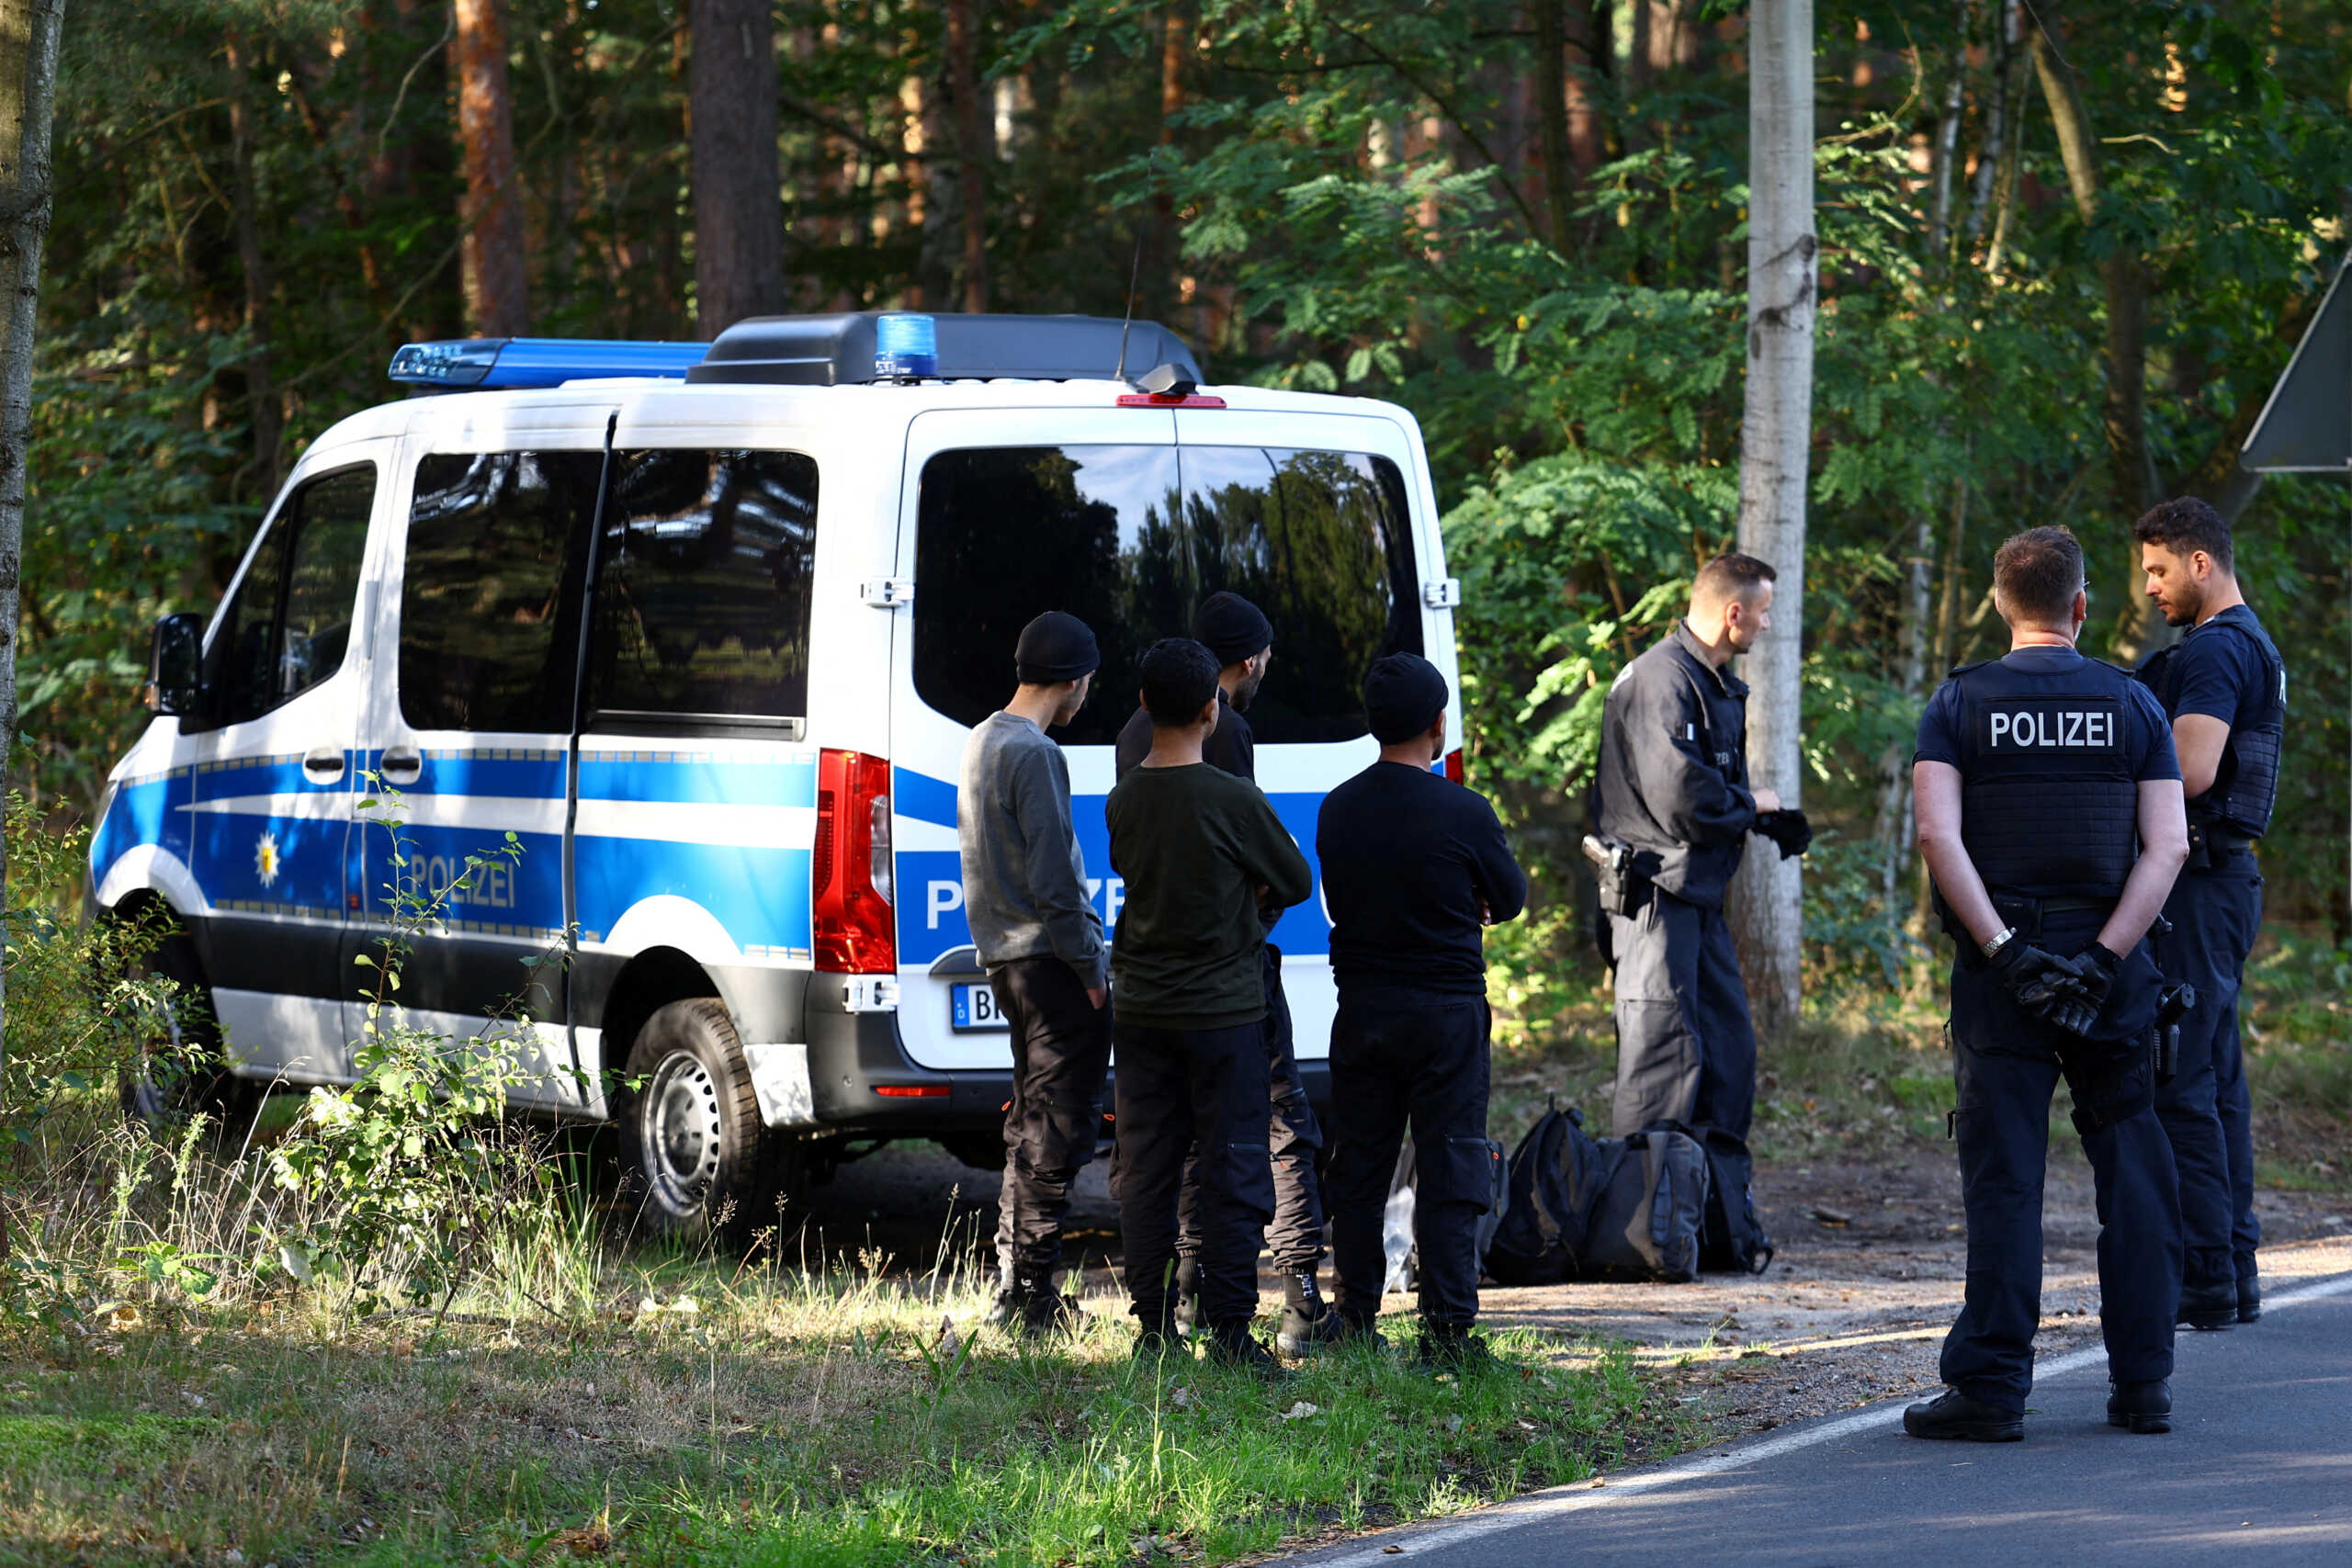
[492,363]
[905,347]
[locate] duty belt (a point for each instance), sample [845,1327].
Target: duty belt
[2076,906]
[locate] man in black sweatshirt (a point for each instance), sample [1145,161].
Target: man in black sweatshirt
[1202,853]
[1413,866]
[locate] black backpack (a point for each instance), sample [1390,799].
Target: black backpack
[1555,1179]
[1734,1239]
[1652,1209]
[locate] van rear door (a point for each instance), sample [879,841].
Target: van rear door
[997,525]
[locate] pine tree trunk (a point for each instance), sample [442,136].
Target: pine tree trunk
[1775,443]
[29,34]
[267,420]
[497,275]
[972,149]
[738,200]
[1551,118]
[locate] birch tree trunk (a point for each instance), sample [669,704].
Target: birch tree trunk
[497,275]
[739,192]
[1775,443]
[29,34]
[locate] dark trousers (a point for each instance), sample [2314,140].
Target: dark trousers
[1295,1137]
[2215,916]
[1686,1051]
[1061,1049]
[1400,1058]
[2008,1063]
[1178,1090]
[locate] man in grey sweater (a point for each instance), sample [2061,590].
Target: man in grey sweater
[1041,941]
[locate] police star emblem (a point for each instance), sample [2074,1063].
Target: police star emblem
[266,858]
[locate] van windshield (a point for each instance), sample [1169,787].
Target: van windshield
[1130,539]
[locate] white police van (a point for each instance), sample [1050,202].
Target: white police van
[706,626]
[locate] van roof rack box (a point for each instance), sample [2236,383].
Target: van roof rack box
[861,347]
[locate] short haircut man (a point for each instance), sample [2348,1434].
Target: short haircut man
[1038,935]
[2036,575]
[1177,678]
[2184,526]
[1731,576]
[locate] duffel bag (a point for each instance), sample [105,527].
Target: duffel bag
[1652,1208]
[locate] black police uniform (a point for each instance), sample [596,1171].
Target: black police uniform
[1408,858]
[1673,783]
[2052,748]
[1295,1237]
[2227,668]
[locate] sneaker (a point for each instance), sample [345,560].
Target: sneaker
[1310,1323]
[1953,1417]
[2140,1406]
[2208,1308]
[1233,1345]
[2249,1296]
[1188,1293]
[1452,1348]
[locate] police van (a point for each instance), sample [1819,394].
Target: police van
[705,627]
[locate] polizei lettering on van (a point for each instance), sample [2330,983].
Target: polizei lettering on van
[2057,726]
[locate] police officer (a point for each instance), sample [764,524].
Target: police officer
[1672,785]
[2049,816]
[1413,865]
[1241,639]
[2224,687]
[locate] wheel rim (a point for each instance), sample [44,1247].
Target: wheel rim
[680,1133]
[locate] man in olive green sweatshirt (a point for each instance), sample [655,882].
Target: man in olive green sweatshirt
[1208,865]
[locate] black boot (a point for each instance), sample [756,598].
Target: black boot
[1310,1323]
[1153,1345]
[1187,1284]
[1954,1415]
[1045,1311]
[2208,1307]
[2140,1406]
[2249,1297]
[1451,1348]
[1233,1345]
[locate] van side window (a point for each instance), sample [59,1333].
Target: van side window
[1130,539]
[489,594]
[703,580]
[288,625]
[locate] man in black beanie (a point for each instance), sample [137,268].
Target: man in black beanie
[1240,639]
[1413,867]
[1039,938]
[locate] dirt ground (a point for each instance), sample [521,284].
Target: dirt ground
[1866,1279]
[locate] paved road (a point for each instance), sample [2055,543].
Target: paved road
[2258,1467]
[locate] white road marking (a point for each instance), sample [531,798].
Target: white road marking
[1578,1497]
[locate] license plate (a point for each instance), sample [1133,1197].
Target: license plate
[972,1009]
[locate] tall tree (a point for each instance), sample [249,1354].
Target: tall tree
[496,254]
[972,149]
[29,34]
[1776,440]
[738,199]
[253,264]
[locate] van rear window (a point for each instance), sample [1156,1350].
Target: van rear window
[1130,539]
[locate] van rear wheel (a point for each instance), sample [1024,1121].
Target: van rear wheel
[698,1160]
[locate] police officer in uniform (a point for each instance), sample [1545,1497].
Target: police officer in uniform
[2049,815]
[2224,687]
[1672,786]
[1242,640]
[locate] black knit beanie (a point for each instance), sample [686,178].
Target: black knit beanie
[1054,647]
[1403,696]
[1231,628]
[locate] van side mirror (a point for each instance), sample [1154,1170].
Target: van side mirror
[176,665]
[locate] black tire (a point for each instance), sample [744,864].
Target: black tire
[697,1163]
[183,1068]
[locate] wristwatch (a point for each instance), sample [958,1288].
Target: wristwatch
[2000,939]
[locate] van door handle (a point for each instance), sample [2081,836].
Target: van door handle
[322,764]
[401,765]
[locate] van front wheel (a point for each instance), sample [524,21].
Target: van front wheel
[700,1161]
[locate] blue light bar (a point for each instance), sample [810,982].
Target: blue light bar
[492,363]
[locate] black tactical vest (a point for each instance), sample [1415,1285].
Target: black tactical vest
[2049,806]
[2247,783]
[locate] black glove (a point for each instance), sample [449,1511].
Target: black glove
[2071,993]
[2028,971]
[1788,828]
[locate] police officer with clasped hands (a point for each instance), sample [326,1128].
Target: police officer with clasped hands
[2049,815]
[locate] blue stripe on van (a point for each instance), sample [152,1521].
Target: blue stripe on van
[931,882]
[925,798]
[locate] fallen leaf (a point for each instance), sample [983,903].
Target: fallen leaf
[1301,1410]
